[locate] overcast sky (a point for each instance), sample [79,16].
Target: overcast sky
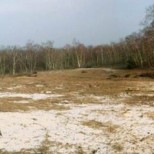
[89,21]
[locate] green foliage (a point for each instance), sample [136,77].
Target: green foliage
[130,64]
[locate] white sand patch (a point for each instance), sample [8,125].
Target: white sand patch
[135,132]
[20,134]
[109,69]
[102,99]
[146,86]
[22,102]
[15,87]
[107,99]
[39,85]
[143,94]
[48,92]
[35,96]
[10,88]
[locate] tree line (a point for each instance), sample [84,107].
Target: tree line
[134,51]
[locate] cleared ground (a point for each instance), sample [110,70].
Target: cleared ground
[82,111]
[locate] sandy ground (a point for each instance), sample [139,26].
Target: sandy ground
[121,128]
[107,127]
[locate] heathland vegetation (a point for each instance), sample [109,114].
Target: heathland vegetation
[134,51]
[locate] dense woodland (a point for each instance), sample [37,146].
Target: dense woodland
[134,51]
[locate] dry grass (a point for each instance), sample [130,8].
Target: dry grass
[150,115]
[93,124]
[3,152]
[117,147]
[107,126]
[8,106]
[94,82]
[80,150]
[140,100]
[44,148]
[76,86]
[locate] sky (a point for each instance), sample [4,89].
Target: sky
[91,22]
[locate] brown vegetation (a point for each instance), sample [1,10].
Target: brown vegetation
[75,87]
